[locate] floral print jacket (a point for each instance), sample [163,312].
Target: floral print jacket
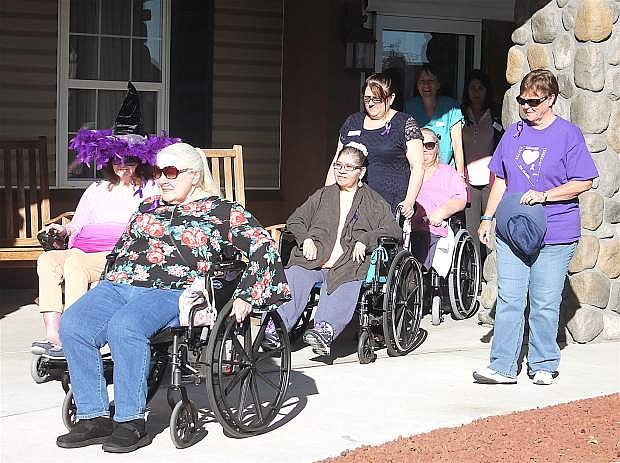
[168,246]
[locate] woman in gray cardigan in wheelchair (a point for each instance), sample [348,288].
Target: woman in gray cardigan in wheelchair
[333,229]
[172,240]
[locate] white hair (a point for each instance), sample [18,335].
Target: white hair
[196,160]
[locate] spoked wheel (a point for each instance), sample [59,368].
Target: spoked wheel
[246,384]
[464,277]
[69,411]
[365,348]
[402,304]
[39,370]
[183,424]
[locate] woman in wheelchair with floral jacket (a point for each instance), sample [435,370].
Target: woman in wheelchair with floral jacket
[172,240]
[333,229]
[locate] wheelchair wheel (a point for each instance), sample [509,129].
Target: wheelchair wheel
[365,348]
[183,424]
[69,411]
[402,304]
[246,384]
[39,370]
[464,277]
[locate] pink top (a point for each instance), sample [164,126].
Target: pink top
[444,184]
[111,209]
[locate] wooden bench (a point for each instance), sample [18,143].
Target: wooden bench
[27,206]
[25,202]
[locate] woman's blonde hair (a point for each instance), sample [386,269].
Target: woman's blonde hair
[197,161]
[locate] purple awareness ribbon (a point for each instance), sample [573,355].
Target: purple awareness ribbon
[386,129]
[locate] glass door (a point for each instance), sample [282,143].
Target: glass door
[404,44]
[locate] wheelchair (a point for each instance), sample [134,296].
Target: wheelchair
[246,385]
[390,302]
[461,284]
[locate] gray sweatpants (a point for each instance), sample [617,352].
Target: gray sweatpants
[336,308]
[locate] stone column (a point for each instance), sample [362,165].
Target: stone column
[579,41]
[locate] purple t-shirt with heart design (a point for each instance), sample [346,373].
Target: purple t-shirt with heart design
[532,159]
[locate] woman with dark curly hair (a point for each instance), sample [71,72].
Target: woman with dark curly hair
[392,142]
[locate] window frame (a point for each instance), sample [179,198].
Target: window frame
[64,83]
[472,27]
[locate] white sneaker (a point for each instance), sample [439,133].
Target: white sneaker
[488,376]
[544,378]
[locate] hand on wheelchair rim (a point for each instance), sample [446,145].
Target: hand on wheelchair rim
[240,310]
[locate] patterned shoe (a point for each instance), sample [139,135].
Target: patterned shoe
[54,352]
[39,347]
[320,338]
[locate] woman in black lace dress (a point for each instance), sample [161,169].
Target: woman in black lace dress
[391,140]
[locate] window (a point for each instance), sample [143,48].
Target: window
[103,44]
[404,44]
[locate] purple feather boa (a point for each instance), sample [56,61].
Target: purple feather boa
[101,147]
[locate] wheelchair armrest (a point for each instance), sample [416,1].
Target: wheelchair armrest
[109,261]
[275,231]
[388,240]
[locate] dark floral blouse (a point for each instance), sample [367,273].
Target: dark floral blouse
[168,246]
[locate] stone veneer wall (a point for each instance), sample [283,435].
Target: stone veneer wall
[579,41]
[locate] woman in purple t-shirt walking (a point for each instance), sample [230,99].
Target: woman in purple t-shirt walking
[544,159]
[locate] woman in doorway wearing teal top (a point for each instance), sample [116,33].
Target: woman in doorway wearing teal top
[441,114]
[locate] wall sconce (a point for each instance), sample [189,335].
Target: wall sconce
[359,41]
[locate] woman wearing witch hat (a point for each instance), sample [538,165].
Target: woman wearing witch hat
[125,155]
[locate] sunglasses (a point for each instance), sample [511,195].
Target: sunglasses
[532,102]
[374,99]
[429,145]
[170,172]
[346,167]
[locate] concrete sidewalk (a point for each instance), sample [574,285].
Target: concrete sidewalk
[330,407]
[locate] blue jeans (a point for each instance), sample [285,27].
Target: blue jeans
[124,317]
[544,280]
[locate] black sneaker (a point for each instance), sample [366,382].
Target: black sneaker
[86,432]
[320,339]
[127,437]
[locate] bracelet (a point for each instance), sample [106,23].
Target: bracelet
[487,217]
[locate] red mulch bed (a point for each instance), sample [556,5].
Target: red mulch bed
[584,431]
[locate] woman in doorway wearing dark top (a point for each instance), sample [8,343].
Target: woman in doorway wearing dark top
[391,140]
[481,134]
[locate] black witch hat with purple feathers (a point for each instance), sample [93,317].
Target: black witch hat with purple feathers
[127,139]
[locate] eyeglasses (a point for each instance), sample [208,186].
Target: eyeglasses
[346,167]
[429,145]
[170,172]
[427,82]
[532,102]
[374,99]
